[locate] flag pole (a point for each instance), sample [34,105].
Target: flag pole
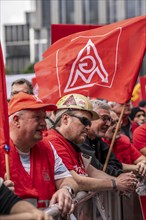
[7,166]
[7,149]
[114,137]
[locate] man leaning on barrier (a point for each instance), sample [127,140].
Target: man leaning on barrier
[125,151]
[73,119]
[95,146]
[35,168]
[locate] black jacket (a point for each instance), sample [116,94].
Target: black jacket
[7,199]
[98,149]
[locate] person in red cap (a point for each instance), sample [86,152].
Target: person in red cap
[37,171]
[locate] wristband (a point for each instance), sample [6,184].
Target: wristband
[114,184]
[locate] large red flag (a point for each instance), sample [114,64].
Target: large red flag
[102,62]
[4,126]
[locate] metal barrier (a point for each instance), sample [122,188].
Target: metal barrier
[102,206]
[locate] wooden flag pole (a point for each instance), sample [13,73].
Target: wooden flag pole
[7,149]
[114,137]
[7,166]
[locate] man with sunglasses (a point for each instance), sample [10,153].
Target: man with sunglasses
[73,120]
[95,146]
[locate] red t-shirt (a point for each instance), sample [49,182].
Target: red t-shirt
[134,126]
[125,150]
[69,155]
[139,137]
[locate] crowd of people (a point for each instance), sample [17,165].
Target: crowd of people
[58,150]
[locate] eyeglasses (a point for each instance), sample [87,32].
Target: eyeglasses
[114,122]
[105,118]
[85,121]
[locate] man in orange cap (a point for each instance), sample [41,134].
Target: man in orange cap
[36,169]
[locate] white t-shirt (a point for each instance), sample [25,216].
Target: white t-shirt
[60,169]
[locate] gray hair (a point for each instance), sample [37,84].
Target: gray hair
[100,104]
[21,82]
[16,113]
[112,104]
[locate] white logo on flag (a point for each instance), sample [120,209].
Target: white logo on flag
[89,64]
[81,71]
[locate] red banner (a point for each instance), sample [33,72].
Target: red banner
[59,31]
[4,126]
[143,87]
[103,62]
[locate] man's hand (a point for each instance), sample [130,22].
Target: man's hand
[141,169]
[64,200]
[38,215]
[8,183]
[126,182]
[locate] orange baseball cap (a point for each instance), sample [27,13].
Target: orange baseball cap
[23,101]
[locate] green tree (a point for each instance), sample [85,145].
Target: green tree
[29,68]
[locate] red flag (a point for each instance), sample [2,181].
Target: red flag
[143,87]
[62,30]
[104,62]
[4,126]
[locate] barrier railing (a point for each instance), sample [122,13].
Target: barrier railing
[102,206]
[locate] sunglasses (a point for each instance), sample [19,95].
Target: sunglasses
[105,118]
[85,121]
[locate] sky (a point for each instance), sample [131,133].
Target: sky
[13,12]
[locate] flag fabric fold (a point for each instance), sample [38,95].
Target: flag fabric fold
[102,62]
[59,31]
[142,80]
[4,125]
